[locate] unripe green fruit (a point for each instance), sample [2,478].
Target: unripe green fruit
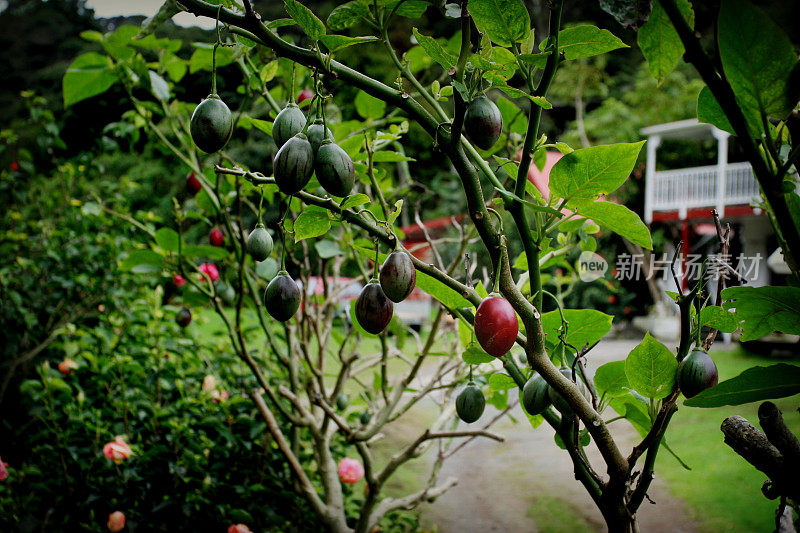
[558,401]
[282,297]
[225,291]
[398,276]
[342,401]
[289,122]
[365,418]
[211,124]
[317,133]
[470,403]
[294,164]
[483,122]
[334,168]
[535,395]
[373,309]
[259,243]
[696,373]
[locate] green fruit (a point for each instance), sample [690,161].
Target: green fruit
[558,401]
[334,168]
[259,243]
[282,297]
[365,418]
[483,122]
[289,122]
[294,164]
[342,401]
[696,373]
[398,276]
[535,395]
[225,291]
[317,133]
[373,309]
[183,317]
[211,125]
[470,403]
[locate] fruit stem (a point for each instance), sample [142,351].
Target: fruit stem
[260,201]
[376,258]
[291,88]
[214,56]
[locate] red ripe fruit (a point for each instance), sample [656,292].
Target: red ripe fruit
[304,95]
[193,185]
[216,238]
[178,280]
[496,326]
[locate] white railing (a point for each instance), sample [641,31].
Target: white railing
[687,188]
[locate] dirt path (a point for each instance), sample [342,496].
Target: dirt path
[514,486]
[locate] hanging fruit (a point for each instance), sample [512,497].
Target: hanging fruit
[373,309]
[317,133]
[183,317]
[696,373]
[535,395]
[398,276]
[282,297]
[559,402]
[335,170]
[193,185]
[342,401]
[365,418]
[483,122]
[294,164]
[470,403]
[211,125]
[289,122]
[259,243]
[496,325]
[216,238]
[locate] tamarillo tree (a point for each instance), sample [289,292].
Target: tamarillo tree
[332,178]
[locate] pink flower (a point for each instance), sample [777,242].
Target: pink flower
[116,521]
[3,471]
[178,280]
[239,528]
[117,450]
[350,471]
[210,271]
[209,383]
[66,366]
[218,396]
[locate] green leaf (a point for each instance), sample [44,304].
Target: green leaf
[717,318]
[660,44]
[753,385]
[408,8]
[620,220]
[534,60]
[89,75]
[474,355]
[710,112]
[167,239]
[500,382]
[368,106]
[262,125]
[310,224]
[346,15]
[305,18]
[327,249]
[397,208]
[205,251]
[586,41]
[611,380]
[438,290]
[338,42]
[585,326]
[354,200]
[504,21]
[757,57]
[159,86]
[436,51]
[584,174]
[202,56]
[763,310]
[142,261]
[651,368]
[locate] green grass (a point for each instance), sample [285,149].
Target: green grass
[554,515]
[722,491]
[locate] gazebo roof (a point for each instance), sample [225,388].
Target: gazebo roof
[690,129]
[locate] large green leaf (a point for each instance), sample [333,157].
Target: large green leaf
[710,112]
[202,57]
[142,262]
[620,220]
[659,41]
[474,355]
[89,75]
[611,381]
[757,57]
[346,15]
[504,21]
[368,106]
[651,368]
[717,318]
[167,239]
[586,41]
[585,326]
[305,18]
[436,51]
[764,310]
[310,224]
[500,382]
[753,385]
[339,42]
[584,174]
[205,251]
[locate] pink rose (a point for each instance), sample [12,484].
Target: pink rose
[117,450]
[3,471]
[350,471]
[66,366]
[210,271]
[239,528]
[116,521]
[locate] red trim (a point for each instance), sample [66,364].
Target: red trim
[414,232]
[704,213]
